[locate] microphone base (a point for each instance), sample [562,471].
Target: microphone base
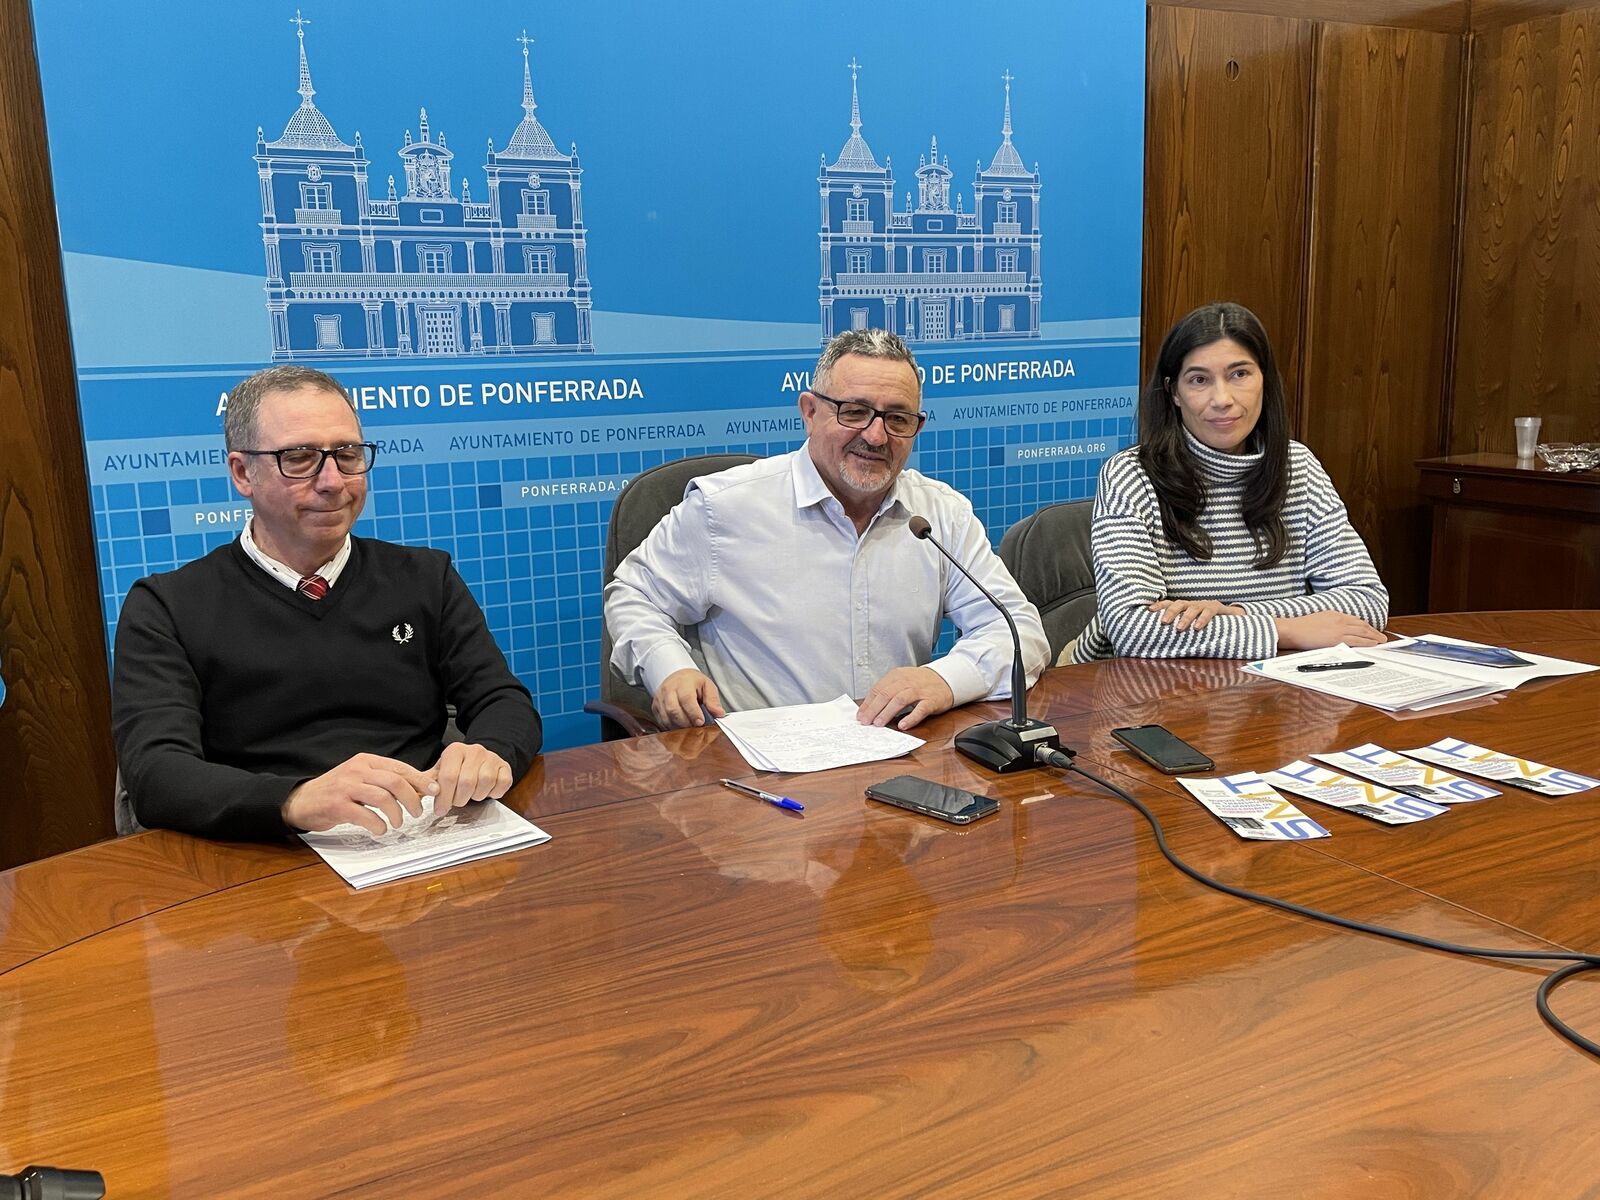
[1006,746]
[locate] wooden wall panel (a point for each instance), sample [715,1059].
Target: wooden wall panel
[1383,202]
[1227,132]
[1492,14]
[1529,325]
[56,759]
[1447,16]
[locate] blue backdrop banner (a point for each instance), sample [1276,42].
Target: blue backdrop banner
[549,248]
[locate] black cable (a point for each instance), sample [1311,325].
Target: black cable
[1576,962]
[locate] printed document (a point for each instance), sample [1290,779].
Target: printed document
[1247,804]
[462,835]
[1503,768]
[1390,685]
[1398,679]
[812,737]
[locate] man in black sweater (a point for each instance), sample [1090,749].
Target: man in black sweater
[296,678]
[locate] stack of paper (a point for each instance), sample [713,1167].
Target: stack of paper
[812,737]
[1426,651]
[462,835]
[1390,686]
[1396,678]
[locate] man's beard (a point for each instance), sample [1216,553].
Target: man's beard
[871,475]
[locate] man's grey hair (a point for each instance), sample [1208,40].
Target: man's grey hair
[244,402]
[869,343]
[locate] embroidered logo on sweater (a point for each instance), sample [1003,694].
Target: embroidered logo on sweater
[401,633]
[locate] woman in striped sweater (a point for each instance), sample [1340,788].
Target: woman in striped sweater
[1216,536]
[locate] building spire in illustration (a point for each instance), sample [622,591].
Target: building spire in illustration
[530,140]
[306,90]
[427,163]
[1006,160]
[856,155]
[933,181]
[308,129]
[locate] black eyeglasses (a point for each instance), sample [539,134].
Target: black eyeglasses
[853,414]
[305,462]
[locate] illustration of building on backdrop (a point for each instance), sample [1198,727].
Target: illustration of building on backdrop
[425,272]
[929,273]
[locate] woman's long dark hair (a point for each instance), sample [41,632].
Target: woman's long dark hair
[1166,456]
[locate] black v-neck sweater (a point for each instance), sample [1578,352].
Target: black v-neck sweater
[229,689]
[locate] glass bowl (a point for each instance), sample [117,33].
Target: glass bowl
[1569,456]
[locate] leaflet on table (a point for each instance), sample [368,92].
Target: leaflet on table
[1247,805]
[812,737]
[1540,666]
[1404,775]
[1514,772]
[462,835]
[1353,795]
[1387,684]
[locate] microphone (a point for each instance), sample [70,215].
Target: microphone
[1020,742]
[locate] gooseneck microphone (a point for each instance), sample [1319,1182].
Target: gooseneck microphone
[1020,742]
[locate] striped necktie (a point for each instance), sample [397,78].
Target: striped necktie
[313,587]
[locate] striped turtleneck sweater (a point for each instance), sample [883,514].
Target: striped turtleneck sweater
[1325,569]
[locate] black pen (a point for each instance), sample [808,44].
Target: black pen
[1344,666]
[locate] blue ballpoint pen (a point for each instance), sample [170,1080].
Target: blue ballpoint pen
[780,801]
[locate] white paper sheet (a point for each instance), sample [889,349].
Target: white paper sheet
[1503,768]
[1246,804]
[467,834]
[812,737]
[1428,782]
[1500,677]
[1387,684]
[1357,796]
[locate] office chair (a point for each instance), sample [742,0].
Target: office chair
[1048,555]
[624,708]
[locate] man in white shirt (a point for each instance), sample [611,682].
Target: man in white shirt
[797,579]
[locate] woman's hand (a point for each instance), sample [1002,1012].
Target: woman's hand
[1317,630]
[1193,614]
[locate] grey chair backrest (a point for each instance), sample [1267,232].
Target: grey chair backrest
[1048,555]
[638,510]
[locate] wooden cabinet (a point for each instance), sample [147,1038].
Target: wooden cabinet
[1510,534]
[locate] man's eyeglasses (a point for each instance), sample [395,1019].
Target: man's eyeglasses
[305,462]
[853,414]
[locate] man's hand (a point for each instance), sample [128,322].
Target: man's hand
[466,772]
[681,696]
[1316,630]
[1193,614]
[921,689]
[342,795]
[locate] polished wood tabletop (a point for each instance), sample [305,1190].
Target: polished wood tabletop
[687,993]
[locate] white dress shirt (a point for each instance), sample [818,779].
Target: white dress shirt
[759,579]
[285,574]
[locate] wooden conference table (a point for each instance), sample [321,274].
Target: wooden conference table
[690,994]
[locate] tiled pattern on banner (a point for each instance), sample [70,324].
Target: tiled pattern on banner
[535,566]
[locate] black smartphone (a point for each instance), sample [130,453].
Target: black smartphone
[1164,751]
[933,799]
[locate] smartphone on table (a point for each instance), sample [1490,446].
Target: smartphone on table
[1162,749]
[933,799]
